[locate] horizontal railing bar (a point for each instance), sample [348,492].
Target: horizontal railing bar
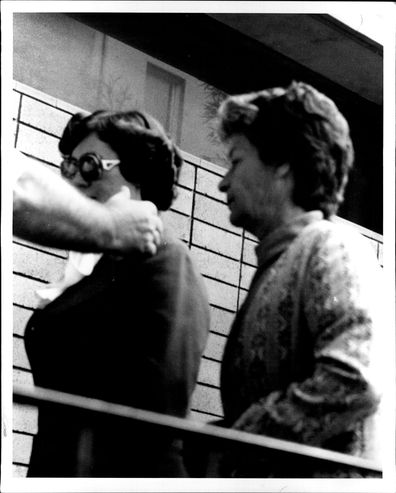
[185,427]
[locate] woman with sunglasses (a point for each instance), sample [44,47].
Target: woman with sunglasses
[129,330]
[48,211]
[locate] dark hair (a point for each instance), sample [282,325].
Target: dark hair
[300,126]
[148,157]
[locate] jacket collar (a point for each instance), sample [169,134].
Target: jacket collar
[273,245]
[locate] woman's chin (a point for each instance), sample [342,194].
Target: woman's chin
[235,219]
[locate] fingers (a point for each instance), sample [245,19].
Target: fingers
[158,226]
[155,228]
[153,237]
[137,225]
[151,249]
[153,211]
[157,236]
[150,206]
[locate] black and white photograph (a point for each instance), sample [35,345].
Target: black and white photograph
[198,246]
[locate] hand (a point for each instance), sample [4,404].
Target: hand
[136,224]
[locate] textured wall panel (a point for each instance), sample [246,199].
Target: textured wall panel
[178,224]
[22,446]
[217,240]
[373,244]
[247,275]
[249,252]
[209,373]
[20,316]
[43,116]
[19,354]
[37,264]
[215,346]
[187,175]
[19,471]
[381,254]
[54,251]
[22,377]
[207,400]
[183,202]
[221,294]
[220,320]
[16,100]
[203,417]
[25,291]
[241,296]
[38,144]
[213,212]
[216,266]
[25,418]
[207,184]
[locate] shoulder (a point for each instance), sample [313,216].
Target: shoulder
[173,255]
[325,230]
[174,267]
[339,253]
[332,249]
[334,235]
[172,249]
[171,244]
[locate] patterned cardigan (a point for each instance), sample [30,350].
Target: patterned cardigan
[301,362]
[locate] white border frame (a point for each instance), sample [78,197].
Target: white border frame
[10,484]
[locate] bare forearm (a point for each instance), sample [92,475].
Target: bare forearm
[47,210]
[50,212]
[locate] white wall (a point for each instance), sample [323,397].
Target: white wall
[81,66]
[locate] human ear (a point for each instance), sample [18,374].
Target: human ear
[283,171]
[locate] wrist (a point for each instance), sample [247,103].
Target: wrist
[104,235]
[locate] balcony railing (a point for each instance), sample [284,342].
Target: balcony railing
[214,437]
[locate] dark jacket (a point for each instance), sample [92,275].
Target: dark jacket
[132,332]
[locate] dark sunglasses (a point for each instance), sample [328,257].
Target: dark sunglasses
[89,165]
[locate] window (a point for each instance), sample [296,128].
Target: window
[164,97]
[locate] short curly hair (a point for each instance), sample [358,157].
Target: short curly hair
[300,126]
[149,159]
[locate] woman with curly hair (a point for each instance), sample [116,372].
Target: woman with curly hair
[127,329]
[302,360]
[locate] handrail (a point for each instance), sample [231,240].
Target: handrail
[188,428]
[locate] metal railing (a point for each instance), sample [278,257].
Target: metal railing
[215,436]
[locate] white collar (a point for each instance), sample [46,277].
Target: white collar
[78,266]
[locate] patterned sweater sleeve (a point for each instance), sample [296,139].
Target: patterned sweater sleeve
[338,306]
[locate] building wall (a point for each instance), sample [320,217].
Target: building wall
[199,216]
[75,63]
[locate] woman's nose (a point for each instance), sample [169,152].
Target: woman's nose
[78,181]
[224,183]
